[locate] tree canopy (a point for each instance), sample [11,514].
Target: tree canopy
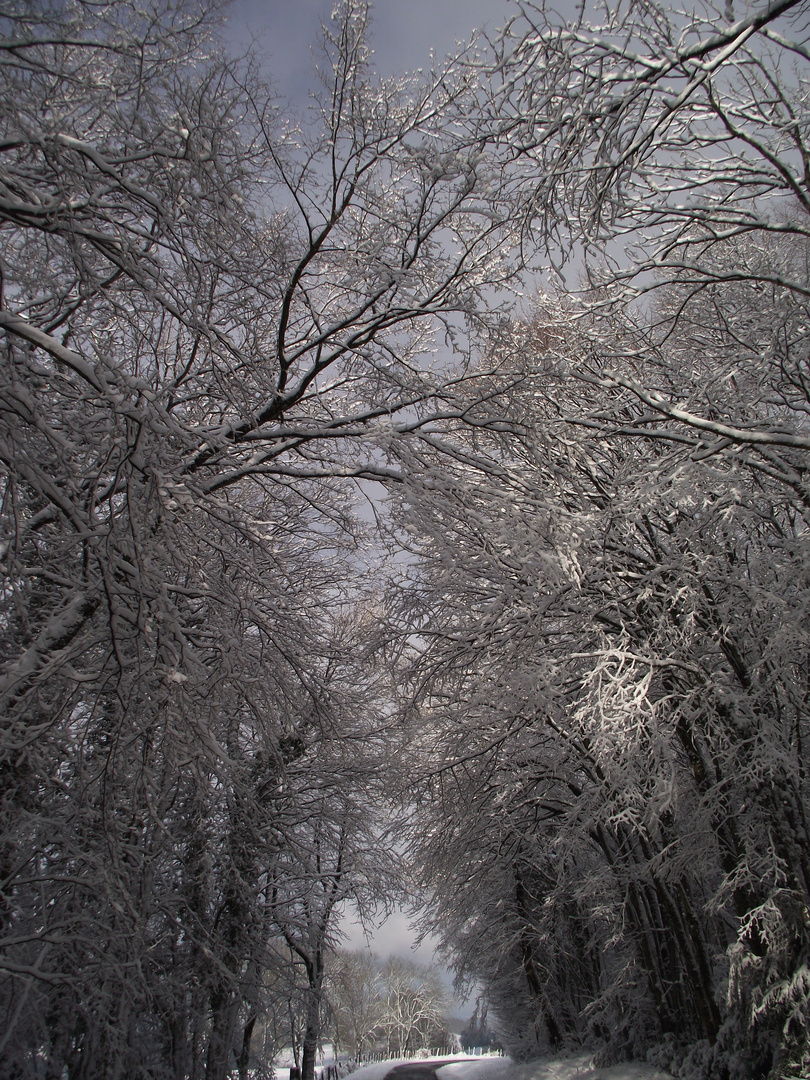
[404,499]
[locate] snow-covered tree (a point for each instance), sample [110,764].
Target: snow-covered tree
[397,1004]
[215,322]
[414,1007]
[665,151]
[611,686]
[613,604]
[355,1000]
[210,321]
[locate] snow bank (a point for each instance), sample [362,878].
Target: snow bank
[478,1068]
[578,1067]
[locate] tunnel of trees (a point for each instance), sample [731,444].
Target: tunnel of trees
[406,500]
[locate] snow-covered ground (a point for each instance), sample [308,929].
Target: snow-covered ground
[578,1067]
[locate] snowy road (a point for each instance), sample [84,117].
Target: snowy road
[573,1067]
[415,1070]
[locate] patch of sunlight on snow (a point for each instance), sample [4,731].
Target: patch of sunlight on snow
[480,1068]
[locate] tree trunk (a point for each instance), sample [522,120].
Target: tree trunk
[224,1012]
[312,1030]
[244,1056]
[310,1051]
[529,966]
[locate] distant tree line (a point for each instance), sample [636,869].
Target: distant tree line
[396,1007]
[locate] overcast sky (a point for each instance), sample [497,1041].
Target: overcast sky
[404,32]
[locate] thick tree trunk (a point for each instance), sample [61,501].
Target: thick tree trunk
[312,1029]
[310,1051]
[220,1045]
[529,964]
[244,1056]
